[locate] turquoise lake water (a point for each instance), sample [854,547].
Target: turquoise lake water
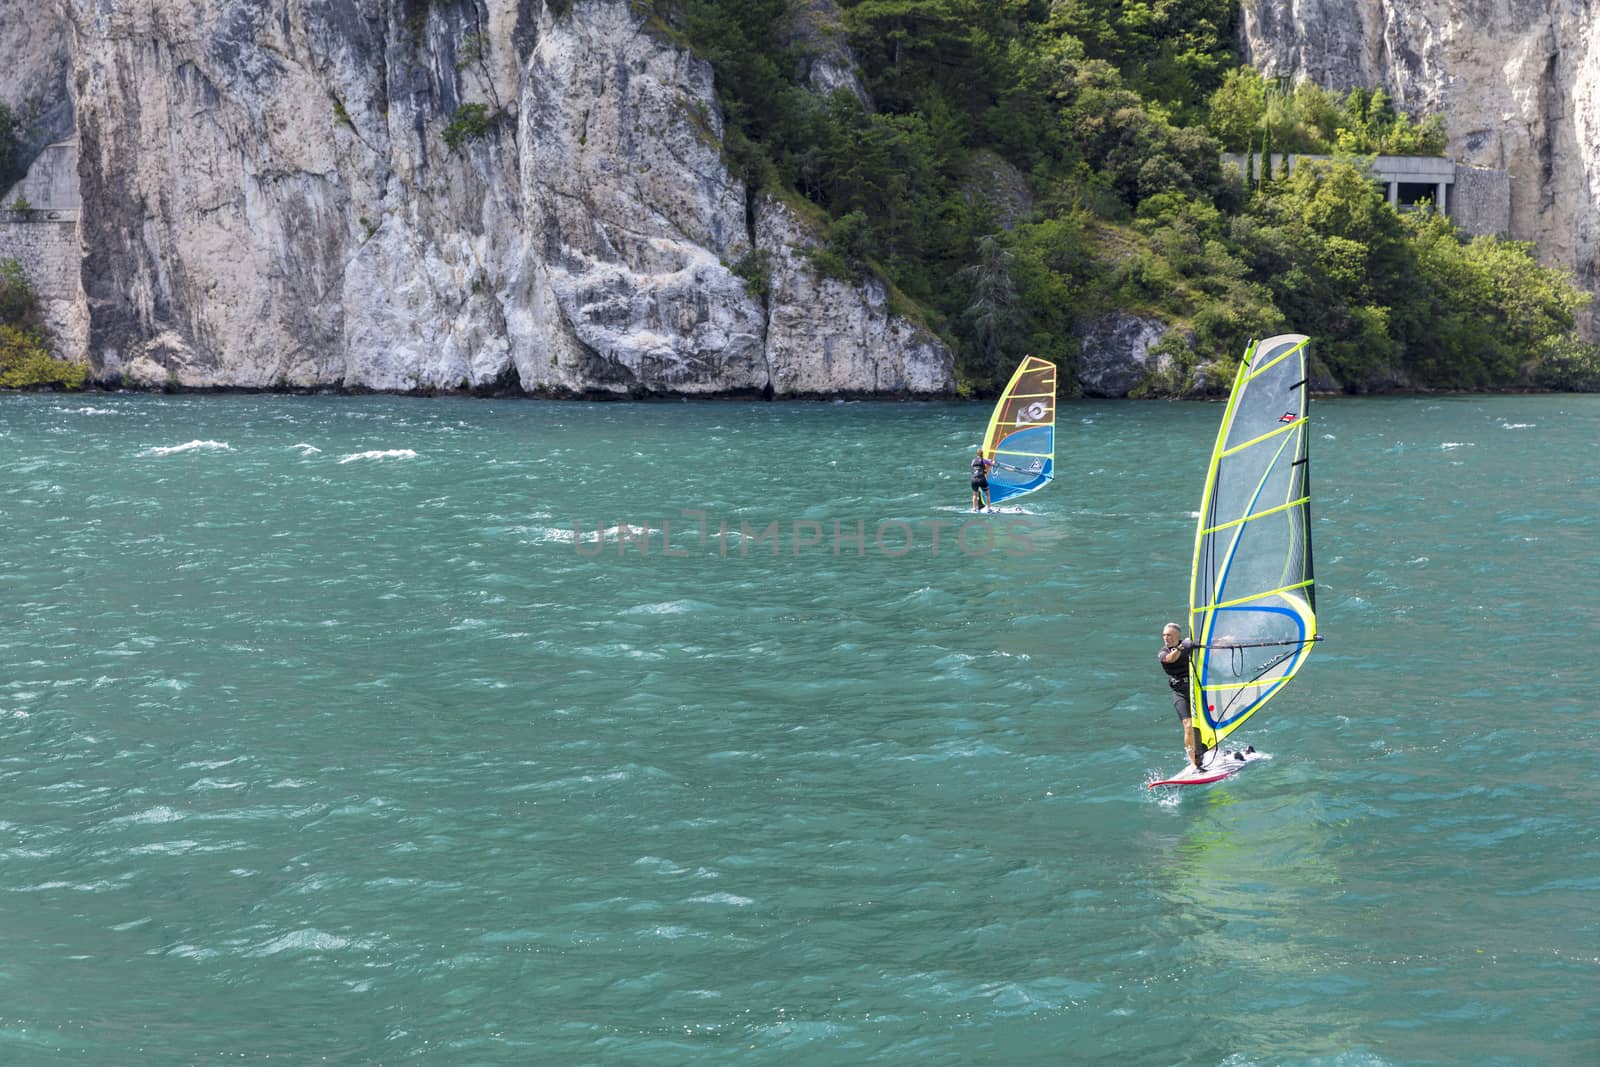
[344,730]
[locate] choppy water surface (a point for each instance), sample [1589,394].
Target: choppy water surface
[380,731]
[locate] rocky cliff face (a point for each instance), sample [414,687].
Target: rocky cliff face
[409,194]
[35,68]
[1516,80]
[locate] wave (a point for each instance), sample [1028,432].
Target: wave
[305,449]
[390,453]
[189,446]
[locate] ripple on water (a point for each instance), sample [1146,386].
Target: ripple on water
[346,722]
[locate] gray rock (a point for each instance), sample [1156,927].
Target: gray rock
[1116,354]
[815,31]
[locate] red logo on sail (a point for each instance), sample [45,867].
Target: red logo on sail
[1287,416]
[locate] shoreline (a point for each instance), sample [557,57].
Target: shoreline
[652,396]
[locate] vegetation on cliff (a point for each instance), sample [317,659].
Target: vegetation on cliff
[1114,114]
[25,360]
[13,127]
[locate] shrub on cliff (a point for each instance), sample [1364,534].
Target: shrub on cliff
[18,305]
[469,123]
[25,360]
[26,363]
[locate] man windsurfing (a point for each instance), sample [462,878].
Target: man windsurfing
[980,480]
[1174,659]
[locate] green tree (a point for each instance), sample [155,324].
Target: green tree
[1327,246]
[1247,112]
[1173,52]
[993,319]
[1238,108]
[1051,267]
[1485,313]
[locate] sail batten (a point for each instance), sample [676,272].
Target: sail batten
[1023,425]
[1258,515]
[1253,597]
[1252,590]
[1286,428]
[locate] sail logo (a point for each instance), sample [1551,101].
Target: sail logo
[1032,413]
[1287,416]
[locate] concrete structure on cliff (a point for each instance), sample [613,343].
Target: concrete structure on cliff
[1477,199]
[1516,81]
[43,237]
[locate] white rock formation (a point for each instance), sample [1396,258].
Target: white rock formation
[823,338]
[270,198]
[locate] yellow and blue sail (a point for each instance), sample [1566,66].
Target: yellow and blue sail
[1021,439]
[1252,596]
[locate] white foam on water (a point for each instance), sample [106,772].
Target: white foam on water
[188,446]
[388,453]
[305,449]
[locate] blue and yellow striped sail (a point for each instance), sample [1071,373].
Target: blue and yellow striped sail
[1252,597]
[1021,438]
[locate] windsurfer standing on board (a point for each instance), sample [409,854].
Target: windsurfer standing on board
[980,480]
[1174,657]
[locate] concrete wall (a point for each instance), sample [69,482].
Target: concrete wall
[51,184]
[45,241]
[1483,201]
[51,257]
[47,250]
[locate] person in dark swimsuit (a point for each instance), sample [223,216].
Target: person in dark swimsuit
[980,481]
[1174,659]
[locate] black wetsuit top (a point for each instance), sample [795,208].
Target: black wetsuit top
[1178,679]
[1177,670]
[980,472]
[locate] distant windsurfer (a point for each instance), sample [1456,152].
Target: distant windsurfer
[980,481]
[1174,658]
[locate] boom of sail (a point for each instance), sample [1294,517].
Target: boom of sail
[1022,432]
[1252,596]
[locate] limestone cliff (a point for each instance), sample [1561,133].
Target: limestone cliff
[1515,80]
[416,195]
[35,68]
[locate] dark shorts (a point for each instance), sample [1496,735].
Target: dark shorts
[979,483]
[1180,703]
